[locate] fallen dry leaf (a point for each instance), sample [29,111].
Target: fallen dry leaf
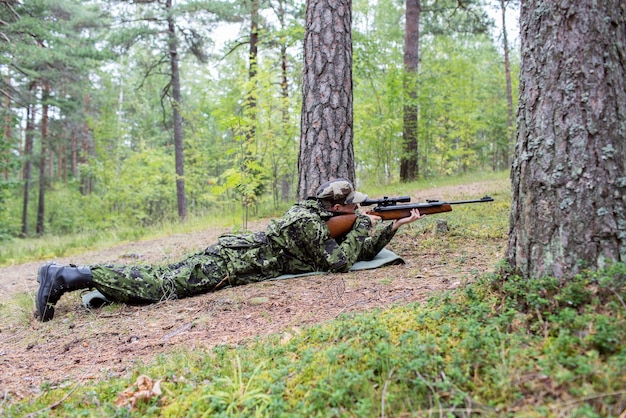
[143,390]
[34,354]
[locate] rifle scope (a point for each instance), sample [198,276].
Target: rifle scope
[386,201]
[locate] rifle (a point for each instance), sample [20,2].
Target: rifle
[388,208]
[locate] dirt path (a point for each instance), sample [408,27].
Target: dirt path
[22,277]
[82,346]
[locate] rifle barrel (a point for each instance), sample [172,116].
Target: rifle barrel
[482,199]
[429,204]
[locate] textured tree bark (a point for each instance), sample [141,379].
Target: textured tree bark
[326,149]
[43,129]
[178,119]
[569,176]
[503,159]
[28,156]
[7,128]
[252,69]
[409,168]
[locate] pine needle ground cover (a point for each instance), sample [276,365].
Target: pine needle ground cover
[501,346]
[491,345]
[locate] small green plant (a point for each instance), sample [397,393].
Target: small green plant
[17,311]
[52,246]
[498,346]
[234,395]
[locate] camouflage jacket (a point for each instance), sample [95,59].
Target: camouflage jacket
[299,242]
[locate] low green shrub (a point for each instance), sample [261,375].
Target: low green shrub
[501,346]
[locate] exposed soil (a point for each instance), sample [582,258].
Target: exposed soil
[82,345]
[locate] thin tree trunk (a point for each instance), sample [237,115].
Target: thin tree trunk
[409,168]
[8,122]
[62,172]
[507,152]
[252,63]
[28,155]
[87,147]
[326,148]
[86,180]
[282,184]
[178,120]
[285,180]
[74,154]
[249,197]
[41,207]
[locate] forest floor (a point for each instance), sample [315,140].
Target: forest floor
[81,345]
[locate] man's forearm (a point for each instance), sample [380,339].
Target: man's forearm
[374,244]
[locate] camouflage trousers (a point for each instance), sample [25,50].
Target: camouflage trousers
[199,273]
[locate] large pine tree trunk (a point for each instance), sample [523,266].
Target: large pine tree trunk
[326,149]
[569,176]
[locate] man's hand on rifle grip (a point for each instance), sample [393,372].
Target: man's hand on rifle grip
[373,218]
[415,215]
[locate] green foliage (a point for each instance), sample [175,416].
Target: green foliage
[110,119]
[8,224]
[235,395]
[501,346]
[461,96]
[53,246]
[257,145]
[144,192]
[585,303]
[17,311]
[8,164]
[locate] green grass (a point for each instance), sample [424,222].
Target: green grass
[51,246]
[18,310]
[375,189]
[502,346]
[17,251]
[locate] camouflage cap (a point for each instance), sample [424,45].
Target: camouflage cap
[340,190]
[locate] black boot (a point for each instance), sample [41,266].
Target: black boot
[56,279]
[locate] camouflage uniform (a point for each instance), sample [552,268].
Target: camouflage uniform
[298,242]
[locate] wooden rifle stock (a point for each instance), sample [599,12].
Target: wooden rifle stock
[400,212]
[339,225]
